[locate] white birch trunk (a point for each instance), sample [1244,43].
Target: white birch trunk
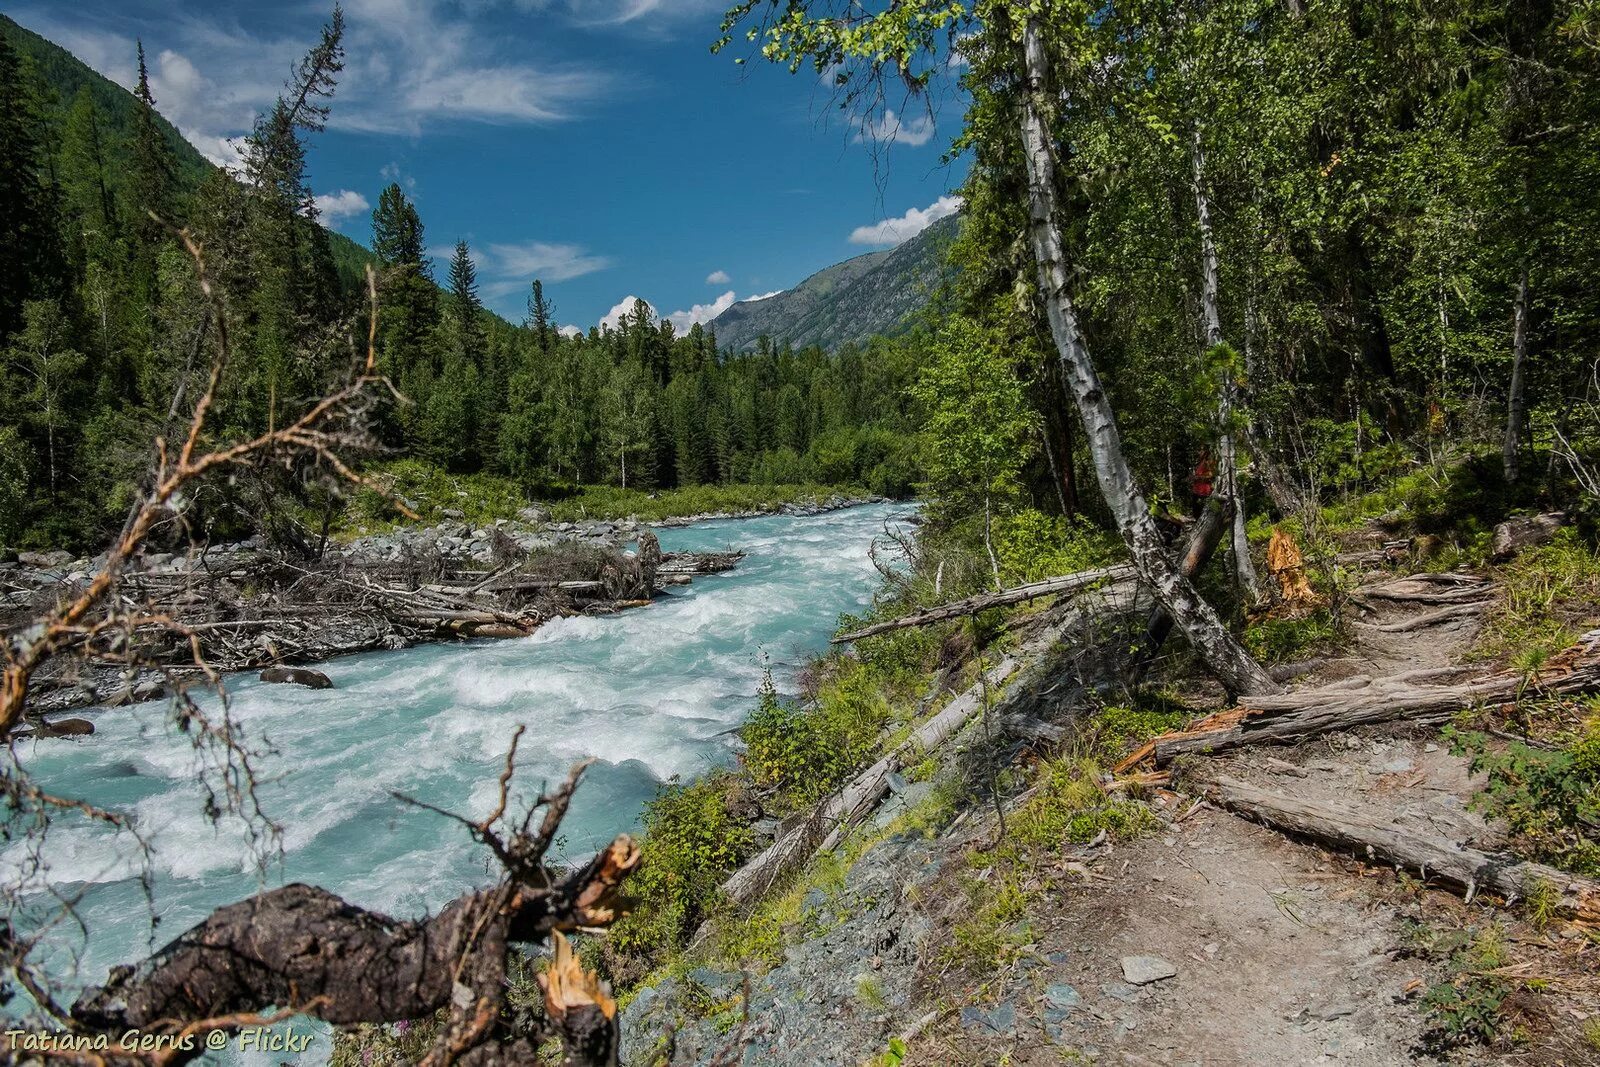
[1199,622]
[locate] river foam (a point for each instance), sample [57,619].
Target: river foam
[653,692]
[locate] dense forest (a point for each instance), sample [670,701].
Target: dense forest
[105,332]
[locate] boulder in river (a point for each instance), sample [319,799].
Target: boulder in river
[297,676]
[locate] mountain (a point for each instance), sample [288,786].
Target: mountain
[65,74]
[878,293]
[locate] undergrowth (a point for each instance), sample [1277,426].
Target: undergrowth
[1548,595]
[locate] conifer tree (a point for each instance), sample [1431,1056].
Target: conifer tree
[541,316]
[26,233]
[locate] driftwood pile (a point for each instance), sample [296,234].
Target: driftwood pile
[244,610]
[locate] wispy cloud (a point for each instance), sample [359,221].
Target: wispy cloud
[718,277]
[891,129]
[898,230]
[344,204]
[546,260]
[762,296]
[410,65]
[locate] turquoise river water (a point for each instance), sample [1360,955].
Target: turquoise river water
[653,693]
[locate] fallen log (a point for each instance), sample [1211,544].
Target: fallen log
[1289,718]
[1527,531]
[1374,834]
[1066,583]
[791,849]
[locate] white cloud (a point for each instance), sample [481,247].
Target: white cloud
[346,203]
[898,230]
[570,330]
[545,260]
[762,296]
[613,318]
[718,277]
[682,320]
[410,65]
[890,129]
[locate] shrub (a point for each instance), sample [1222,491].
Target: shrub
[803,751]
[1032,546]
[1548,592]
[1549,799]
[692,842]
[1281,640]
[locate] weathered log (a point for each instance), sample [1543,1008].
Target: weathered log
[1527,531]
[793,847]
[1198,549]
[300,946]
[1373,833]
[1066,583]
[1293,717]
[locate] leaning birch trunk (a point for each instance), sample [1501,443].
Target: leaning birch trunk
[793,848]
[1375,834]
[1516,406]
[1227,396]
[1199,622]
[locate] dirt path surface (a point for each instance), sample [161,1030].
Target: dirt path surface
[1211,941]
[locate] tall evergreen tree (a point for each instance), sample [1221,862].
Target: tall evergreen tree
[541,316]
[27,237]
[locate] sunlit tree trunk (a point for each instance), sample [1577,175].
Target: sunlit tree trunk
[1516,403]
[1205,630]
[1227,396]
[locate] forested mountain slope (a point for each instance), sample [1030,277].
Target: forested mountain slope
[878,294]
[66,75]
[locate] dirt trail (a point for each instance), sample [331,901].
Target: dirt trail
[1259,950]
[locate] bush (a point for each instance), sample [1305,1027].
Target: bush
[803,751]
[692,842]
[1033,546]
[1549,799]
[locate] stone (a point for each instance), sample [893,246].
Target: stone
[1142,970]
[297,676]
[1327,1011]
[1000,1019]
[1062,996]
[453,513]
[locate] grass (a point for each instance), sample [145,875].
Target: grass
[1549,594]
[1465,1006]
[1273,640]
[482,498]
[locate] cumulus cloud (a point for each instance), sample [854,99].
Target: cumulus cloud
[613,318]
[718,277]
[899,230]
[346,203]
[682,320]
[570,330]
[890,129]
[761,296]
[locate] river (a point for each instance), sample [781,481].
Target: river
[653,693]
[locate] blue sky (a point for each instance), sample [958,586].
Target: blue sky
[594,143]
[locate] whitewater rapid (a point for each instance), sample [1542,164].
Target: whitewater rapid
[653,693]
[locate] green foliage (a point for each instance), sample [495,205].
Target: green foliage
[1272,640]
[1069,806]
[1117,728]
[1465,1006]
[692,841]
[1550,800]
[610,502]
[1033,546]
[803,750]
[1548,594]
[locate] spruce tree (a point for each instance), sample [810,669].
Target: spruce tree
[541,315]
[27,237]
[467,309]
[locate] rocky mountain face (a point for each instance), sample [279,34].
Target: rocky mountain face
[880,293]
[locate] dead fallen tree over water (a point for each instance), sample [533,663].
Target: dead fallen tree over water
[1376,835]
[1412,698]
[958,609]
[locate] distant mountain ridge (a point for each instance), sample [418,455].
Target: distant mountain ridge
[880,293]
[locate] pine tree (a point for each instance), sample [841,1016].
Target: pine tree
[466,308]
[86,194]
[541,316]
[27,237]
